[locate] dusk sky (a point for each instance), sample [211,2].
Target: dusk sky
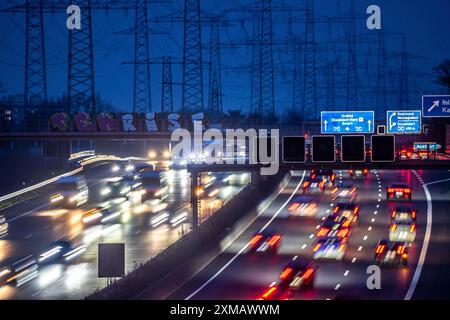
[425,24]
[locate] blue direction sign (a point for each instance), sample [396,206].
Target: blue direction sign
[347,122]
[427,146]
[404,121]
[436,106]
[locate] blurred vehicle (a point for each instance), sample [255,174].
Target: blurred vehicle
[3,227]
[72,191]
[334,227]
[391,253]
[330,248]
[355,173]
[92,216]
[143,167]
[405,155]
[152,187]
[179,217]
[265,242]
[121,187]
[344,191]
[60,250]
[303,205]
[404,214]
[328,176]
[122,168]
[238,179]
[298,274]
[348,208]
[19,272]
[401,230]
[399,191]
[313,185]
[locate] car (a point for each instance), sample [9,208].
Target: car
[303,205]
[143,167]
[121,187]
[3,227]
[152,185]
[121,168]
[404,214]
[399,191]
[330,248]
[347,208]
[344,191]
[70,191]
[328,176]
[265,242]
[401,230]
[391,253]
[298,274]
[92,216]
[313,185]
[355,173]
[60,250]
[19,272]
[334,226]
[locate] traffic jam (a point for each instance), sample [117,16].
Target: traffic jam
[330,242]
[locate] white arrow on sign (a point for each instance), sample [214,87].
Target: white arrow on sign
[435,104]
[347,128]
[369,122]
[392,124]
[325,124]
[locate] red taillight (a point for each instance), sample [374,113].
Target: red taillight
[334,190]
[355,211]
[390,190]
[322,232]
[407,190]
[286,273]
[316,247]
[346,224]
[269,292]
[321,184]
[255,240]
[351,171]
[294,206]
[336,209]
[341,247]
[413,214]
[380,248]
[393,227]
[274,240]
[308,273]
[342,233]
[401,250]
[366,171]
[413,228]
[393,213]
[305,184]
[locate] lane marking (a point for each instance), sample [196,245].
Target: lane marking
[337,286]
[246,245]
[353,260]
[346,273]
[426,240]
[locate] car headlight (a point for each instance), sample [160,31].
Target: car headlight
[115,168]
[105,191]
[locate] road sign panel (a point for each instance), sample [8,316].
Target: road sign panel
[383,148]
[323,149]
[436,106]
[427,146]
[347,122]
[353,149]
[294,149]
[404,121]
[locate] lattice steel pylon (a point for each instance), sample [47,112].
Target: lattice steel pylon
[381,77]
[263,102]
[352,73]
[297,83]
[142,101]
[81,83]
[192,95]
[404,76]
[35,66]
[167,89]
[309,103]
[215,74]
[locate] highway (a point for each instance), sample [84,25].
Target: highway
[34,225]
[238,275]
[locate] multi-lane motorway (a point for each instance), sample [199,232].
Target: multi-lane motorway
[35,224]
[236,274]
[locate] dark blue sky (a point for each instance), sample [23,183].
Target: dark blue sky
[425,24]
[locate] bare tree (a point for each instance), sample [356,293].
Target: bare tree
[442,73]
